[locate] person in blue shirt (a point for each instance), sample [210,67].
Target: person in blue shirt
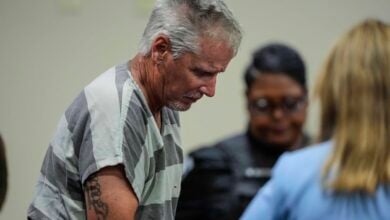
[347,176]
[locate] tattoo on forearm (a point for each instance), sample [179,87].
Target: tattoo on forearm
[94,198]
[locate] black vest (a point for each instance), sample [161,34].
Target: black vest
[225,178]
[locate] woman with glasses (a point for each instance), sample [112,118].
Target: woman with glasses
[226,176]
[276,97]
[347,176]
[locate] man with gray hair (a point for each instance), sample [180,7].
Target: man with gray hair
[116,153]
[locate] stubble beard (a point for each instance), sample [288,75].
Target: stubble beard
[180,106]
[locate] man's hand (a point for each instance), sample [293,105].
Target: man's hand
[108,195]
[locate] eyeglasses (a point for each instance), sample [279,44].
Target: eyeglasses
[289,105]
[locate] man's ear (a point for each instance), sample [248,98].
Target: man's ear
[161,47]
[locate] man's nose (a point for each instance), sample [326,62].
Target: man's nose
[209,88]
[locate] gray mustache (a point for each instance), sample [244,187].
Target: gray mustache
[194,96]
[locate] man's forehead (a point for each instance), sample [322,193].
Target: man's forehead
[210,62]
[209,65]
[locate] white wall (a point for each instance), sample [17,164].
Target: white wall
[50,49]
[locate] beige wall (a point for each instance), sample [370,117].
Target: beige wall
[50,49]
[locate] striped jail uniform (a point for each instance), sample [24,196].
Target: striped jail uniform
[110,123]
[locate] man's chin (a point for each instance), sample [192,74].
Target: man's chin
[178,106]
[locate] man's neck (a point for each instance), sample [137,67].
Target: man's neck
[143,72]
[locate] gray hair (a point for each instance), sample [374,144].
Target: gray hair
[185,21]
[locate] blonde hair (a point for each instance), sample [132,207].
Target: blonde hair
[354,94]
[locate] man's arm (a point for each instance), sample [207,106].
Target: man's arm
[108,195]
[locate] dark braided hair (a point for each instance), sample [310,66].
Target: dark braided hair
[276,58]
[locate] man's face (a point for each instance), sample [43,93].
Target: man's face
[277,108]
[189,77]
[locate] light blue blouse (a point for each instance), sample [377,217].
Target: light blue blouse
[295,193]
